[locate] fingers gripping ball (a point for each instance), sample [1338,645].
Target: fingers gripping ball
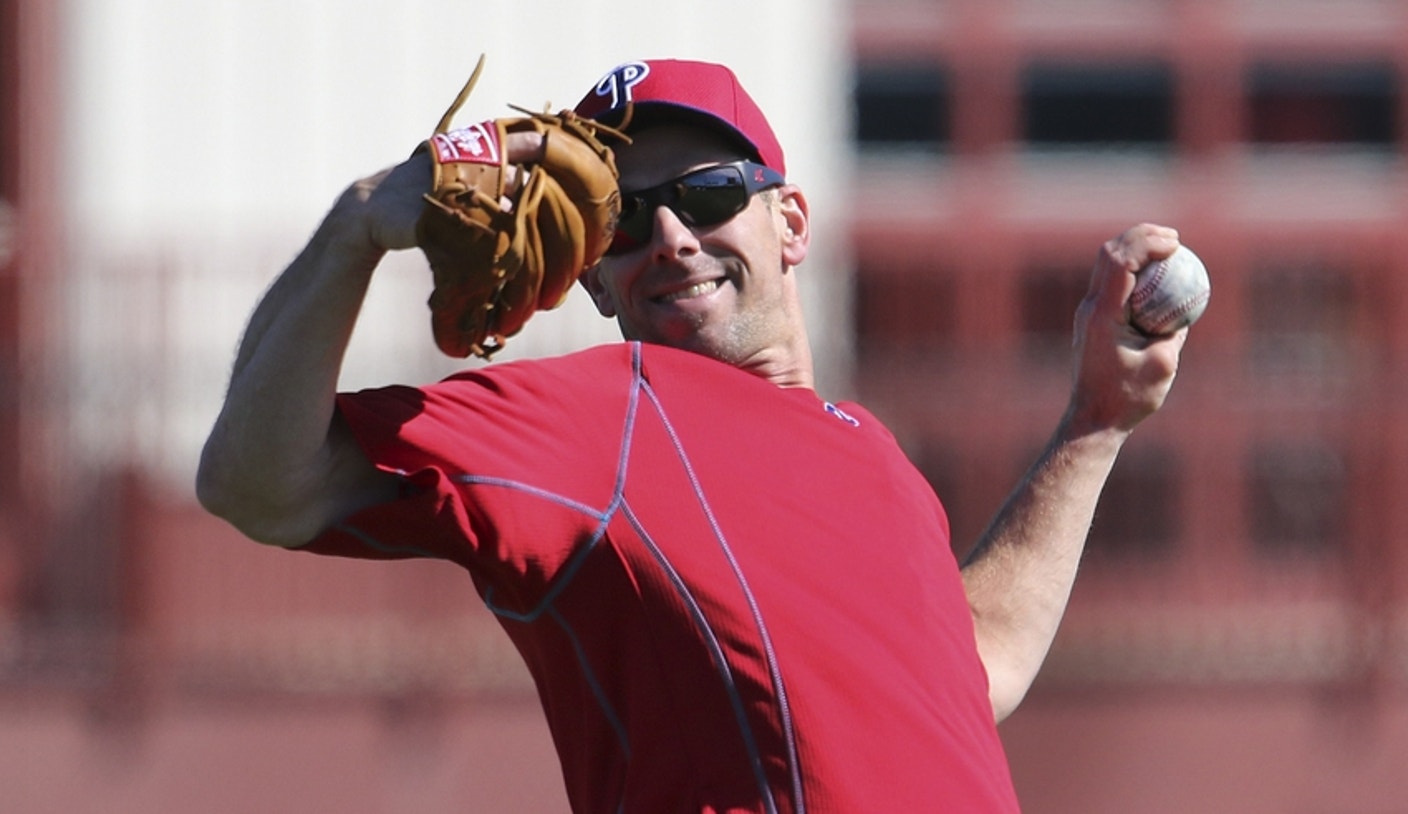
[1169,294]
[501,244]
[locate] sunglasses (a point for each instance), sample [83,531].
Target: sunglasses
[701,198]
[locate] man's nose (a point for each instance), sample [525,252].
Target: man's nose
[672,237]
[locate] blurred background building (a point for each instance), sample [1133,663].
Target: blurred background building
[1238,640]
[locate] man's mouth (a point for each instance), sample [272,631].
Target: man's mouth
[696,290]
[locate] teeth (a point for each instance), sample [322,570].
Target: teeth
[693,291]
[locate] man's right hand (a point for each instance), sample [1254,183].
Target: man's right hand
[388,204]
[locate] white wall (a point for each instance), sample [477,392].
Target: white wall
[205,139]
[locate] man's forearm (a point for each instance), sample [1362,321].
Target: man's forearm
[1020,574]
[270,448]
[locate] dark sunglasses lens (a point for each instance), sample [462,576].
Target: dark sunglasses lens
[704,198]
[712,196]
[632,227]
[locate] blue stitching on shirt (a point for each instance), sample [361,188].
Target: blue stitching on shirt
[372,542]
[618,495]
[775,673]
[551,497]
[569,572]
[597,690]
[716,650]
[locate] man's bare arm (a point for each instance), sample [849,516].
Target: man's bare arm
[277,464]
[1019,576]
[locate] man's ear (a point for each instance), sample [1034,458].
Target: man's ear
[591,281]
[796,217]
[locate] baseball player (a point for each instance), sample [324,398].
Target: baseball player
[732,594]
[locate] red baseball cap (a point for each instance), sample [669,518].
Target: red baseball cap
[683,90]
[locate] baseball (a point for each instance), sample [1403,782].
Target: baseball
[1170,293]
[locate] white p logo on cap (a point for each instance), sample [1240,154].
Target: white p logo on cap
[617,84]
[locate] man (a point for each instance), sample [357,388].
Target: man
[732,594]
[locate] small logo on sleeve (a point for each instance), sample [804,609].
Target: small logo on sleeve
[842,414]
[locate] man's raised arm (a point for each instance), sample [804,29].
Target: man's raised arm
[277,464]
[1019,576]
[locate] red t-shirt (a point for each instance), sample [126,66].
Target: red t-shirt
[733,597]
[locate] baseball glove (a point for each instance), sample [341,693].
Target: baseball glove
[503,245]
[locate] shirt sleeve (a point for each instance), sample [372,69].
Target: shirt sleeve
[396,432]
[485,457]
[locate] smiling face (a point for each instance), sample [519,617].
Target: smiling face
[726,291]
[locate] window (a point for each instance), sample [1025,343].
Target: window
[1049,298]
[1323,104]
[1301,318]
[903,310]
[1089,104]
[1139,514]
[902,107]
[949,472]
[11,475]
[9,104]
[1296,492]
